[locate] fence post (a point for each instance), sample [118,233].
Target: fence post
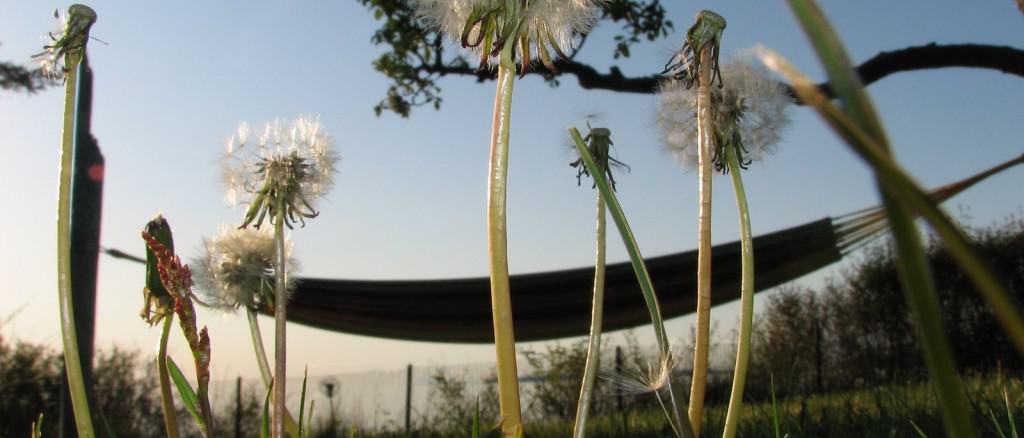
[238,407]
[618,391]
[408,399]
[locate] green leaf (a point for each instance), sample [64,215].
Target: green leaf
[265,422]
[302,400]
[188,395]
[475,431]
[775,406]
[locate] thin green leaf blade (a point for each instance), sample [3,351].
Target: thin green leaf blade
[188,395]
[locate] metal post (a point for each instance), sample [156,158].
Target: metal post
[408,399]
[86,209]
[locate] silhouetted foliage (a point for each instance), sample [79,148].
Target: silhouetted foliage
[857,331]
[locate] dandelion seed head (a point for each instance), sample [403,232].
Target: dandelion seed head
[294,162]
[236,269]
[546,24]
[751,103]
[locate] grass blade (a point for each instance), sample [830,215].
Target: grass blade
[188,395]
[914,273]
[302,400]
[681,422]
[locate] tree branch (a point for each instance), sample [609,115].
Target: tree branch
[1001,58]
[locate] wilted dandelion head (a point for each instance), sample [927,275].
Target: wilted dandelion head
[290,165]
[68,40]
[533,27]
[749,114]
[236,269]
[642,380]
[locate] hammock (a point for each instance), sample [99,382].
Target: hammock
[557,304]
[551,305]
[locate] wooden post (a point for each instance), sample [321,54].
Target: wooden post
[238,407]
[408,399]
[618,392]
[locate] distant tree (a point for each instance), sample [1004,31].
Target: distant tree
[30,384]
[858,330]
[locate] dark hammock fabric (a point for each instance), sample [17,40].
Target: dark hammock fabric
[551,305]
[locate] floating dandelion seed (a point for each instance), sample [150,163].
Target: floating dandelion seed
[749,113]
[236,270]
[291,166]
[485,27]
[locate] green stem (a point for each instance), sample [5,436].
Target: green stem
[702,343]
[680,423]
[264,365]
[257,346]
[597,313]
[166,396]
[72,359]
[746,297]
[280,322]
[497,239]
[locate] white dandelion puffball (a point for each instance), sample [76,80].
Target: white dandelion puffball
[750,101]
[236,269]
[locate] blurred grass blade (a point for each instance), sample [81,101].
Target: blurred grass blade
[265,421]
[898,184]
[188,395]
[475,431]
[995,422]
[302,400]
[37,427]
[775,406]
[1009,413]
[919,290]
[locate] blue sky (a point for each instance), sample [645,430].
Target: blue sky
[409,202]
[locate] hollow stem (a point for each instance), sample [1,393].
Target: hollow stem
[264,365]
[69,335]
[166,396]
[680,423]
[497,240]
[705,151]
[597,311]
[746,297]
[280,315]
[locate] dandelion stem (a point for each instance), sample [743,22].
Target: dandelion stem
[746,296]
[264,365]
[501,301]
[257,346]
[594,347]
[704,156]
[166,396]
[678,422]
[280,307]
[72,360]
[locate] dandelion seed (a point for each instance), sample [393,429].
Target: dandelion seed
[484,27]
[749,113]
[236,270]
[292,165]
